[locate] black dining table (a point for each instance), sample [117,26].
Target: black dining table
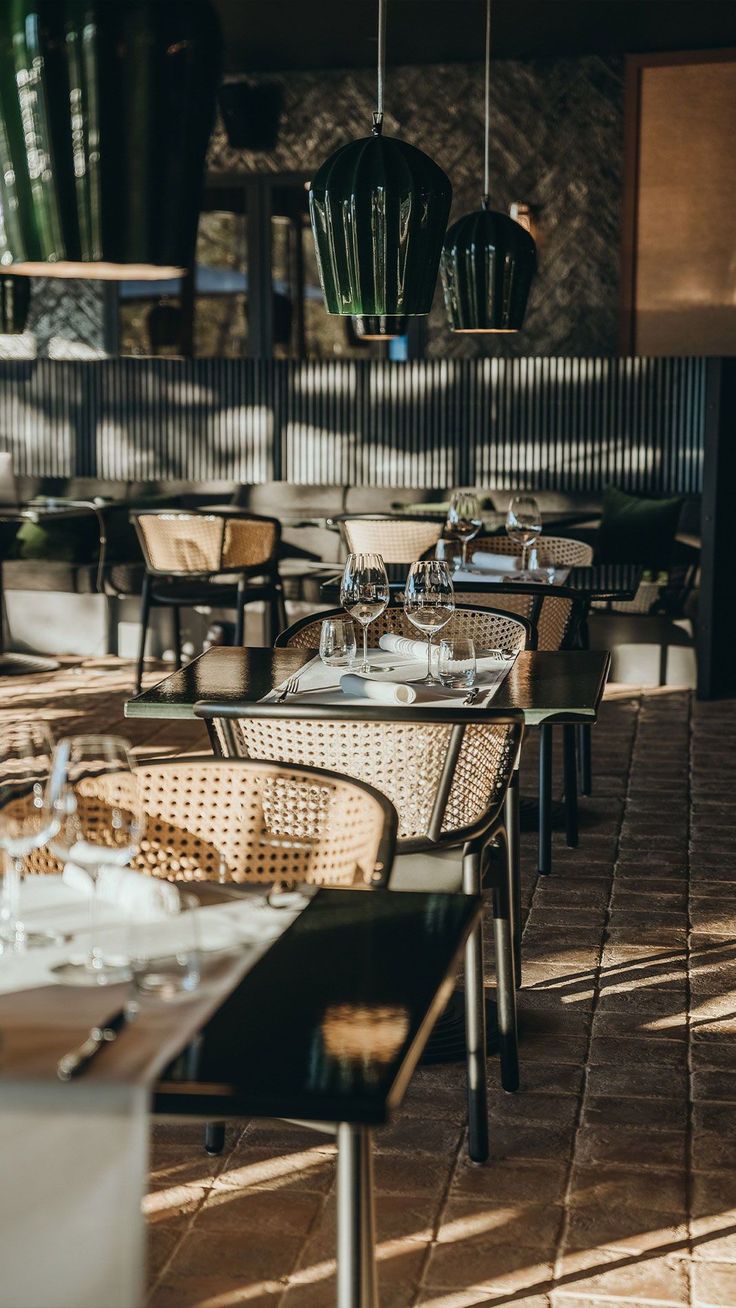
[617,582]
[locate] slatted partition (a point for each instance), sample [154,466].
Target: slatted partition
[565,424]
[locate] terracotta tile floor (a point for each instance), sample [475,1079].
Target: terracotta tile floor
[613,1178]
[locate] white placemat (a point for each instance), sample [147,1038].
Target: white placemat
[319,684]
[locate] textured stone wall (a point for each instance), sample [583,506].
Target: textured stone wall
[556,142]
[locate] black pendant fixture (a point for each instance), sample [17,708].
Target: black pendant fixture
[488,260]
[379,210]
[106,108]
[15,301]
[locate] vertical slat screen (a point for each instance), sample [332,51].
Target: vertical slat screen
[569,424]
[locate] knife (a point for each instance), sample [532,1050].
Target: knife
[75,1062]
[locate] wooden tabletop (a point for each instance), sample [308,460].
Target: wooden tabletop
[599,581]
[564,686]
[332,1021]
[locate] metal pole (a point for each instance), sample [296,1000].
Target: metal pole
[356,1281]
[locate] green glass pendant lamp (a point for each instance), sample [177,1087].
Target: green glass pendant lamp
[488,260]
[106,108]
[379,210]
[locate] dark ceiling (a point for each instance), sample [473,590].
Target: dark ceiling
[269,35]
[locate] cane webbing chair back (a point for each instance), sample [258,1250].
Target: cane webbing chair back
[406,761]
[647,594]
[248,822]
[552,551]
[197,544]
[397,540]
[549,614]
[487,629]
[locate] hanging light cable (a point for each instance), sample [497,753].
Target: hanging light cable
[488,259]
[379,210]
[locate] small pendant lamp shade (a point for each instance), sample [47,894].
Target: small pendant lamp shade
[15,301]
[488,264]
[106,108]
[379,210]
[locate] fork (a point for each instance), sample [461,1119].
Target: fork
[290,688]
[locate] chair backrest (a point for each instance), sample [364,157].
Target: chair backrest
[551,616]
[446,779]
[396,539]
[554,551]
[181,543]
[210,819]
[486,628]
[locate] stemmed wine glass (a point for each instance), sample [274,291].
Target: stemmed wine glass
[364,593]
[25,825]
[524,525]
[464,520]
[96,815]
[429,601]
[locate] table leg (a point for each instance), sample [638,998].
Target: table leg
[356,1259]
[514,862]
[586,766]
[475,1023]
[545,799]
[570,771]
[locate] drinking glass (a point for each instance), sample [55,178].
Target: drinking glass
[337,643]
[95,810]
[457,662]
[164,948]
[25,760]
[524,525]
[364,593]
[464,520]
[449,550]
[429,601]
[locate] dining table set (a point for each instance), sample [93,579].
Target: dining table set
[183,937]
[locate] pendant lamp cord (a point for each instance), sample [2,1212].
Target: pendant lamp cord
[381,71]
[486,152]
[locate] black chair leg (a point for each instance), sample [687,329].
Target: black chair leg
[240,614]
[505,987]
[545,799]
[145,611]
[475,1023]
[570,767]
[585,741]
[176,626]
[214,1137]
[513,853]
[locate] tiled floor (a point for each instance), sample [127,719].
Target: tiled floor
[613,1178]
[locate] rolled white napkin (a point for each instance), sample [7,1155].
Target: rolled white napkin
[404,645]
[132,892]
[392,692]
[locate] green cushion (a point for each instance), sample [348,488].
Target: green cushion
[636,530]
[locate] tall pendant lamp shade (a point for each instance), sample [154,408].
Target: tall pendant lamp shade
[379,209]
[488,259]
[488,264]
[106,108]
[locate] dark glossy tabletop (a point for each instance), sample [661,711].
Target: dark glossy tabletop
[601,581]
[564,686]
[331,1022]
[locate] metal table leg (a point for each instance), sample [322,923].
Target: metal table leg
[571,786]
[356,1257]
[545,799]
[512,815]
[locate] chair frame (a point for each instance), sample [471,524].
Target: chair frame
[203,590]
[283,640]
[499,821]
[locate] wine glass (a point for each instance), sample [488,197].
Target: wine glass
[464,520]
[96,813]
[364,593]
[524,525]
[429,601]
[25,761]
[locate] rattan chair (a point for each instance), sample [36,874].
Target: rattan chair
[487,628]
[448,778]
[219,559]
[397,539]
[247,822]
[552,551]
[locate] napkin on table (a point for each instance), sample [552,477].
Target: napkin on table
[392,692]
[404,645]
[132,892]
